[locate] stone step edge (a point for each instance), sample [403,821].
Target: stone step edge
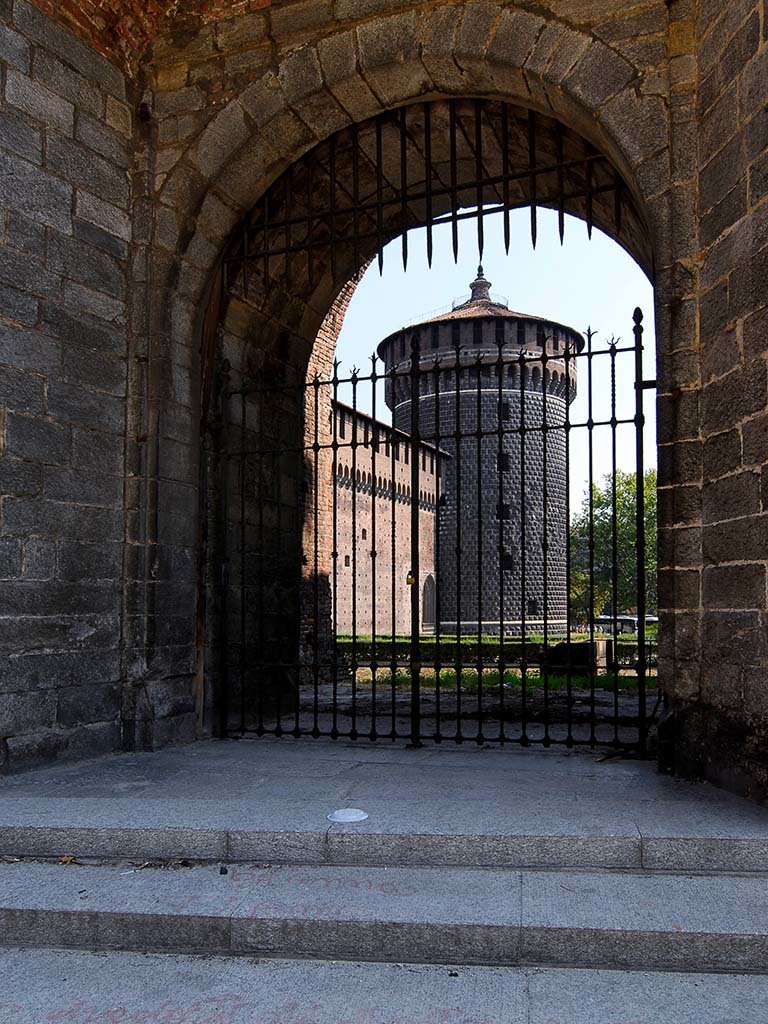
[385,941]
[345,848]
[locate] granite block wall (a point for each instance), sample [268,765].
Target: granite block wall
[65,232]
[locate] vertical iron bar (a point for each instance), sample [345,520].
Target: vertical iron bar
[523,560]
[375,500]
[404,185]
[505,171]
[560,181]
[332,201]
[415,443]
[354,444]
[428,178]
[262,567]
[224,578]
[479,534]
[640,529]
[458,656]
[380,192]
[500,470]
[266,240]
[454,188]
[438,585]
[614,552]
[335,556]
[355,141]
[568,610]
[288,198]
[591,480]
[393,551]
[545,528]
[479,175]
[590,193]
[532,168]
[617,196]
[241,484]
[310,221]
[316,559]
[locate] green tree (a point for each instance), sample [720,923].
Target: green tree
[603,518]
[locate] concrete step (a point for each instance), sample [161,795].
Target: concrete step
[83,988]
[553,846]
[588,919]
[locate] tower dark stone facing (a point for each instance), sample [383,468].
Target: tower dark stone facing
[492,388]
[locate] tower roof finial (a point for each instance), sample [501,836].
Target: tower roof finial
[480,288]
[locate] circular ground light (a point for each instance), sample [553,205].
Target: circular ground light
[347,815]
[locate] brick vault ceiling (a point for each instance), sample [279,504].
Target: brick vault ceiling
[123,29]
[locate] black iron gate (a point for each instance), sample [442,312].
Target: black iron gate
[427,578]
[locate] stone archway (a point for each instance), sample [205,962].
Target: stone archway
[275,120]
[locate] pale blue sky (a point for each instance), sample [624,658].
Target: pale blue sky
[585,283]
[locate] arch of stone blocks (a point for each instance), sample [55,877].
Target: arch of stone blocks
[394,60]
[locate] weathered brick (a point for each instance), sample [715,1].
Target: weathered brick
[102,139]
[118,116]
[39,28]
[39,559]
[37,439]
[14,49]
[28,349]
[82,488]
[72,404]
[80,329]
[10,558]
[79,166]
[21,137]
[98,304]
[727,212]
[26,712]
[67,83]
[752,84]
[80,262]
[680,463]
[722,454]
[600,74]
[39,102]
[25,235]
[93,450]
[240,32]
[99,239]
[731,398]
[78,561]
[734,586]
[299,74]
[732,497]
[18,306]
[21,392]
[19,478]
[32,516]
[81,705]
[36,194]
[722,173]
[737,540]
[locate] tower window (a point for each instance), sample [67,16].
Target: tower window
[505,410]
[533,606]
[365,534]
[435,335]
[507,561]
[520,333]
[342,424]
[541,337]
[502,510]
[504,462]
[346,559]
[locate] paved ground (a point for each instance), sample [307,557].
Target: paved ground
[289,786]
[130,988]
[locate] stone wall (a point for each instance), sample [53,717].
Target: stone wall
[65,229]
[715,426]
[673,92]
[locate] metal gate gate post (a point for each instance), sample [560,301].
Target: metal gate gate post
[415,442]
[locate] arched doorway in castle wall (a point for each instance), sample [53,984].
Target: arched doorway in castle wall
[397,547]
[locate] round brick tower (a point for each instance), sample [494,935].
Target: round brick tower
[493,389]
